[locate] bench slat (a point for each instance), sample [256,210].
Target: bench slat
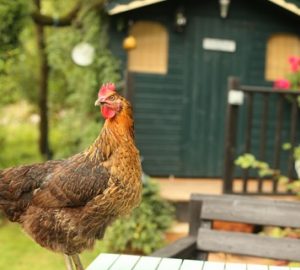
[257,267]
[103,261]
[125,262]
[248,210]
[168,263]
[191,265]
[235,266]
[178,249]
[278,268]
[147,263]
[248,244]
[213,266]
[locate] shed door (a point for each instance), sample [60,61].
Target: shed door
[207,93]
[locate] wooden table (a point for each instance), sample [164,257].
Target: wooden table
[107,261]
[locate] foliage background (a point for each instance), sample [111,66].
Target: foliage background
[74,121]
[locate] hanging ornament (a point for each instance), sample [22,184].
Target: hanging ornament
[129,43]
[83,54]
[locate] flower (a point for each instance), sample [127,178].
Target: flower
[294,63]
[282,84]
[292,80]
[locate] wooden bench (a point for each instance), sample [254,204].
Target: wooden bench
[203,209]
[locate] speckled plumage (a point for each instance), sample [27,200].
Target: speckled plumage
[65,205]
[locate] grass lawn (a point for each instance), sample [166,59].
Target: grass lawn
[19,252]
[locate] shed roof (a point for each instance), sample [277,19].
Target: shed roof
[290,5]
[119,6]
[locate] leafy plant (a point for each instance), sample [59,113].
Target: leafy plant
[143,231]
[249,161]
[12,14]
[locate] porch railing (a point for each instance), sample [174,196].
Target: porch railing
[260,120]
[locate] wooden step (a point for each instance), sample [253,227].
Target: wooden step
[180,189]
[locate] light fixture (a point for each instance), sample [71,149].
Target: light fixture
[224,8]
[180,19]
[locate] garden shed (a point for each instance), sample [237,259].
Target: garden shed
[178,71]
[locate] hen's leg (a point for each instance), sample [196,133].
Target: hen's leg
[68,262]
[77,262]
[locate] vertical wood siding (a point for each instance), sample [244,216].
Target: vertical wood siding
[180,116]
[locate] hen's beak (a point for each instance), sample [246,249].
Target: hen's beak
[100,101]
[97,102]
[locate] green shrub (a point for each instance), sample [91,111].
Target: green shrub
[249,161]
[142,231]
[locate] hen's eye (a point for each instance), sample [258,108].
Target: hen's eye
[112,98]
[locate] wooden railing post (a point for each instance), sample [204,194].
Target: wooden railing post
[230,137]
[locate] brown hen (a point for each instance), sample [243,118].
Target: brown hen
[65,205]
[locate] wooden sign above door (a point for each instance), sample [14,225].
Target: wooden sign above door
[214,44]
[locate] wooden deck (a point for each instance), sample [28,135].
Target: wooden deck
[180,189]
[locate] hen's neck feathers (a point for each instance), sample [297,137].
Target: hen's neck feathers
[115,132]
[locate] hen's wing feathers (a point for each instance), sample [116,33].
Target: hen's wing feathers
[17,186]
[73,184]
[14,182]
[64,183]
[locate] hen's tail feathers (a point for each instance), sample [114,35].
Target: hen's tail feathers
[3,201]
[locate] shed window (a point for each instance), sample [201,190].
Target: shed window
[151,53]
[279,48]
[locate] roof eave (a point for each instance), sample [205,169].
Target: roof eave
[287,6]
[120,8]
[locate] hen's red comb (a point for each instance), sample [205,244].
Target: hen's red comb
[106,88]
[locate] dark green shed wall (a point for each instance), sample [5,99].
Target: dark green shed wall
[180,116]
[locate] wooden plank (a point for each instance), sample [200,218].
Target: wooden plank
[103,261]
[125,262]
[263,135]
[191,265]
[257,267]
[278,267]
[248,244]
[278,136]
[213,266]
[249,210]
[230,138]
[293,132]
[147,263]
[194,217]
[248,136]
[181,248]
[260,89]
[168,264]
[235,266]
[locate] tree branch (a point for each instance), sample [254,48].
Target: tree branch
[65,20]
